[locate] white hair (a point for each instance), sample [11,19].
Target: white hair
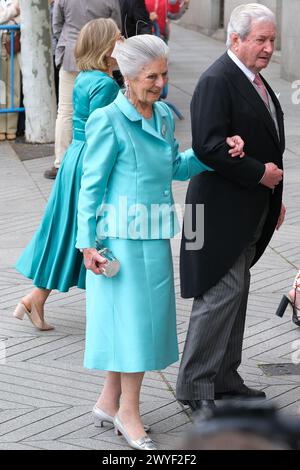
[134,53]
[242,17]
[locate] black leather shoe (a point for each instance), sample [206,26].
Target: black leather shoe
[51,174]
[245,392]
[197,405]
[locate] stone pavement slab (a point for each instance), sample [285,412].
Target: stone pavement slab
[45,394]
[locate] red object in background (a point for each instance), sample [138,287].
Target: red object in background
[160,7]
[175,8]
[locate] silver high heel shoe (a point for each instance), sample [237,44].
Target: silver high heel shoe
[33,316]
[144,443]
[101,417]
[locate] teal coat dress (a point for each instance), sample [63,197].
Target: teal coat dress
[126,202]
[51,259]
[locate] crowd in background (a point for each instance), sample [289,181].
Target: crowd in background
[132,16]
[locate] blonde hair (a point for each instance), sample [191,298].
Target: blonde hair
[95,41]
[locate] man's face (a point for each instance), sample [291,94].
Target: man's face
[256,50]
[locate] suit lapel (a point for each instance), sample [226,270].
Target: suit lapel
[247,90]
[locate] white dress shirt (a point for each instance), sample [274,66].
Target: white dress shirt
[249,74]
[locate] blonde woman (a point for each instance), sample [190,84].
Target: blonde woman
[69,17]
[50,259]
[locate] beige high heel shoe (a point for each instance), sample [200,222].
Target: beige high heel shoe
[33,316]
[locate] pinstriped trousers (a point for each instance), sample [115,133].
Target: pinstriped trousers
[213,347]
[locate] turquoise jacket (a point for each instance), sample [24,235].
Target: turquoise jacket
[128,168]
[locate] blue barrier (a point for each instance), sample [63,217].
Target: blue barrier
[11,29]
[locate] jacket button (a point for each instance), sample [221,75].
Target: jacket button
[166,192]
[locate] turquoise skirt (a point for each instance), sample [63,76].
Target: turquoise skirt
[131,320]
[51,259]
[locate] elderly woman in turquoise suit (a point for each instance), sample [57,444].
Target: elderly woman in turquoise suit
[125,202]
[51,259]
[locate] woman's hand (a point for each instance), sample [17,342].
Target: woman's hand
[93,261]
[237,144]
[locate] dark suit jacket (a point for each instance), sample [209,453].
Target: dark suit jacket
[225,103]
[135,18]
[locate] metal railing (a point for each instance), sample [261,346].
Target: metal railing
[11,29]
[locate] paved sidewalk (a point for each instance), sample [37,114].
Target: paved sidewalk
[45,394]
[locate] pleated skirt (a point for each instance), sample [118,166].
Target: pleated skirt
[131,320]
[51,259]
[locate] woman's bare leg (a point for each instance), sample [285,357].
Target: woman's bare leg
[129,411]
[109,398]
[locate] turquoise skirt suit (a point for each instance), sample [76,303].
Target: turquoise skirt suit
[126,203]
[51,259]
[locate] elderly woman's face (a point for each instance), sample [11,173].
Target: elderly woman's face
[148,85]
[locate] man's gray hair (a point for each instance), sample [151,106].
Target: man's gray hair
[242,16]
[134,53]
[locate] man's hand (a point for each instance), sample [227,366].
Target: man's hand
[281,217]
[273,175]
[93,261]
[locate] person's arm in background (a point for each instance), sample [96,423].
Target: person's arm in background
[141,17]
[58,19]
[53,38]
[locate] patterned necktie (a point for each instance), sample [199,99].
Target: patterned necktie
[262,90]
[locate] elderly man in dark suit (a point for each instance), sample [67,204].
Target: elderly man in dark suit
[242,206]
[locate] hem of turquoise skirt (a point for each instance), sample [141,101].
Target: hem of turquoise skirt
[113,368]
[41,284]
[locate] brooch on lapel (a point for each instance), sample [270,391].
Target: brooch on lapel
[163,129]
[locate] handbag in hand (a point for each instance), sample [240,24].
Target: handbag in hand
[112,267]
